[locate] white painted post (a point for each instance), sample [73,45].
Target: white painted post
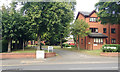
[40,54]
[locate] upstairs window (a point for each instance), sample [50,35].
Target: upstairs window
[112,30]
[104,30]
[113,41]
[94,30]
[93,19]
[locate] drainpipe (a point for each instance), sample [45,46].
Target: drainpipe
[109,33]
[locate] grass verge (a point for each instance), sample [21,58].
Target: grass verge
[88,52]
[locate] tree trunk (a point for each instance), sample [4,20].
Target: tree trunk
[9,45]
[39,42]
[74,37]
[23,46]
[26,43]
[20,44]
[78,43]
[61,42]
[16,44]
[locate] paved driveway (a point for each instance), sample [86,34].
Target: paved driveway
[65,56]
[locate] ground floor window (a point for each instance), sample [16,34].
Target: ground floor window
[113,41]
[98,40]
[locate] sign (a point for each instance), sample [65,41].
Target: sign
[110,47]
[88,42]
[40,54]
[50,48]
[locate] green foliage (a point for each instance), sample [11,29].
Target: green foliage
[80,28]
[49,19]
[67,45]
[4,46]
[109,12]
[109,49]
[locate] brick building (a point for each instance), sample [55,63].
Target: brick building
[100,34]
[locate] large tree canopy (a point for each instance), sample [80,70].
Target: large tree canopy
[49,18]
[109,12]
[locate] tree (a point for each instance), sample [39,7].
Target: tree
[109,12]
[49,17]
[14,27]
[79,30]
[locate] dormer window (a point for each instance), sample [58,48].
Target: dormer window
[93,19]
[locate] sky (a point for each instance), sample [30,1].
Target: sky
[82,5]
[85,5]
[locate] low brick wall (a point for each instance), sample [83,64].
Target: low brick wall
[23,55]
[110,54]
[50,54]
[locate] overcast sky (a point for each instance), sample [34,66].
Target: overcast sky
[85,5]
[82,5]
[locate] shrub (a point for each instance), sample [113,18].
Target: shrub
[72,45]
[66,45]
[110,49]
[42,44]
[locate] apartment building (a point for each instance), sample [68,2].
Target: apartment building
[100,34]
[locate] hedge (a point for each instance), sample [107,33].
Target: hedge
[110,49]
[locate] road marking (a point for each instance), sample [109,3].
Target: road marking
[95,68]
[42,63]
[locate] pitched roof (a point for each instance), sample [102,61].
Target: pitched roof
[85,14]
[97,35]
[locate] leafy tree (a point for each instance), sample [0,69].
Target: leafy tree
[109,12]
[49,17]
[14,27]
[79,30]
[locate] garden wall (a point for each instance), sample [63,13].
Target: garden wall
[23,55]
[110,54]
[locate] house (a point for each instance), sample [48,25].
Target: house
[100,34]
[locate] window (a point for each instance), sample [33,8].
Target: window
[93,19]
[104,30]
[112,30]
[81,41]
[98,40]
[95,30]
[113,41]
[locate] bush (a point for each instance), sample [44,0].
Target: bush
[67,45]
[72,45]
[110,49]
[42,44]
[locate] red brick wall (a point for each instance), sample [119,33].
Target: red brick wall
[23,55]
[110,54]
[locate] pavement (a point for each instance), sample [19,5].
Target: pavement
[64,60]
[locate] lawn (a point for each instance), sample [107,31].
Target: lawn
[27,50]
[89,52]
